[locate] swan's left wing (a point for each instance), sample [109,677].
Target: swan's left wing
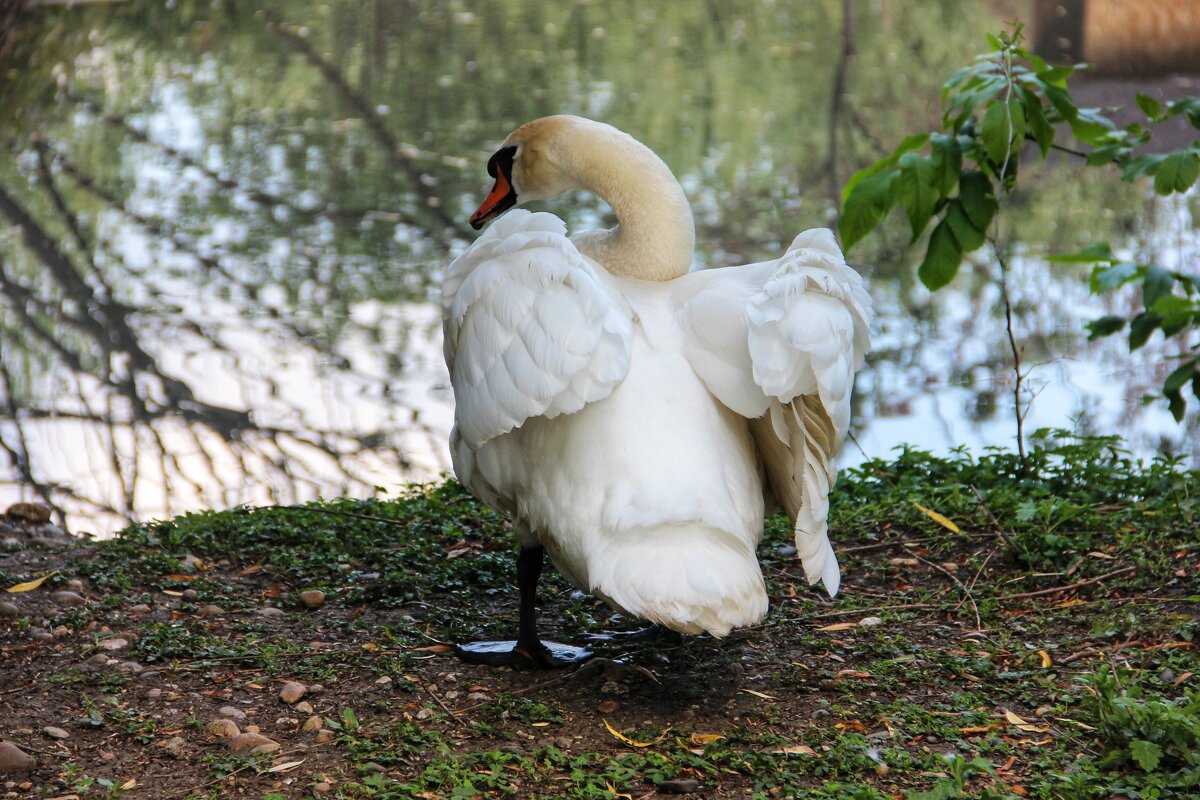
[779,343]
[531,328]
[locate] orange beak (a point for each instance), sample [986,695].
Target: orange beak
[501,198]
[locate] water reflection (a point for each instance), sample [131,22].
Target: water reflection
[220,227]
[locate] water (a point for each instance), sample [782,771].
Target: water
[221,227]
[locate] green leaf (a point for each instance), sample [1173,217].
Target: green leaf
[1185,105]
[942,258]
[1097,251]
[1039,126]
[975,193]
[1089,125]
[1105,279]
[1056,76]
[1177,172]
[867,203]
[1105,326]
[1149,106]
[996,133]
[1146,754]
[1176,403]
[946,154]
[1140,166]
[965,233]
[918,192]
[1140,329]
[1156,283]
[1179,377]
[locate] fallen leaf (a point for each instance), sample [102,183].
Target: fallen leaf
[853,725]
[1028,727]
[1183,677]
[625,738]
[1046,662]
[763,695]
[796,750]
[180,577]
[615,793]
[172,593]
[286,767]
[1105,556]
[839,626]
[370,647]
[129,784]
[705,738]
[938,518]
[540,724]
[250,570]
[979,728]
[435,648]
[29,586]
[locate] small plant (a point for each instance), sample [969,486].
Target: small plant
[1139,727]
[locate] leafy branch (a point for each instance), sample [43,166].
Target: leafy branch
[951,178]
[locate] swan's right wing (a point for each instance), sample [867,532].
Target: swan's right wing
[779,343]
[531,328]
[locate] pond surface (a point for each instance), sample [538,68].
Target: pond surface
[222,226]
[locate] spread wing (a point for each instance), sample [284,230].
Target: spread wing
[779,343]
[530,328]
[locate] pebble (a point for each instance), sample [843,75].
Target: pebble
[9,610]
[678,786]
[316,688]
[65,598]
[40,634]
[231,712]
[287,722]
[253,729]
[291,692]
[313,723]
[76,585]
[61,632]
[129,666]
[223,727]
[211,610]
[140,608]
[190,594]
[153,694]
[55,733]
[612,687]
[867,622]
[608,706]
[98,660]
[270,611]
[324,736]
[190,563]
[256,743]
[14,760]
[312,598]
[30,512]
[176,747]
[113,645]
[425,713]
[477,697]
[303,707]
[322,787]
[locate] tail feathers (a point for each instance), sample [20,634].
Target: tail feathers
[691,578]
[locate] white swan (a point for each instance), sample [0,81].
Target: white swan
[629,415]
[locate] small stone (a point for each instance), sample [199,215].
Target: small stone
[14,760]
[303,707]
[425,713]
[113,645]
[383,680]
[312,598]
[255,743]
[608,706]
[868,622]
[76,585]
[231,712]
[65,598]
[40,635]
[316,688]
[324,736]
[29,512]
[223,727]
[61,632]
[677,786]
[9,610]
[149,674]
[153,694]
[612,687]
[98,660]
[322,787]
[190,594]
[140,608]
[211,610]
[287,722]
[372,766]
[313,723]
[477,697]
[190,563]
[270,611]
[108,756]
[175,747]
[129,666]
[55,733]
[452,695]
[253,729]
[291,692]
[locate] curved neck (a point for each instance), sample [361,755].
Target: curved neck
[655,235]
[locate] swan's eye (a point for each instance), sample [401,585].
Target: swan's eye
[502,159]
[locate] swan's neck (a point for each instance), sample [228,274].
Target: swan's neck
[655,235]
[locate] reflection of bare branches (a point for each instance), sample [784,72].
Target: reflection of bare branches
[449,227]
[836,100]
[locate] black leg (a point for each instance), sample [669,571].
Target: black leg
[528,651]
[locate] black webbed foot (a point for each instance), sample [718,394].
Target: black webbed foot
[542,655]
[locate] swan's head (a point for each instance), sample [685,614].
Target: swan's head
[536,162]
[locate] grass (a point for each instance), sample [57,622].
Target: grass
[1000,635]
